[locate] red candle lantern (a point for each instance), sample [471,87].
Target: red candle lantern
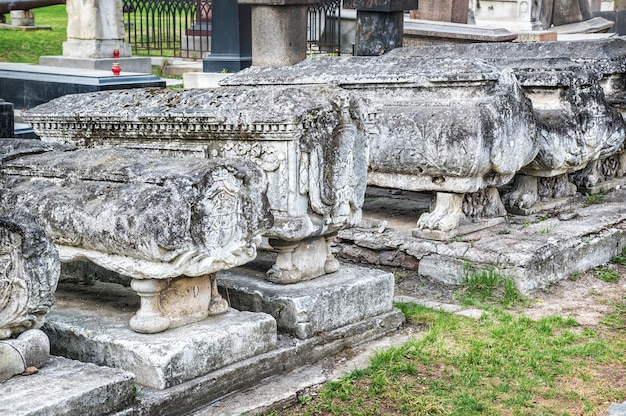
[116,69]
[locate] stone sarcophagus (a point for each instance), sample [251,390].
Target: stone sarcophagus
[168,224]
[310,144]
[459,128]
[579,132]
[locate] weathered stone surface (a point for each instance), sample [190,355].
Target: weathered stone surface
[160,212]
[534,251]
[29,273]
[147,217]
[66,387]
[444,125]
[576,125]
[89,323]
[291,354]
[311,143]
[307,308]
[94,29]
[30,349]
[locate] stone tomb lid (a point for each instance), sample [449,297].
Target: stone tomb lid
[607,55]
[223,111]
[360,70]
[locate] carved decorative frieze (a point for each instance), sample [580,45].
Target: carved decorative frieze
[29,273]
[311,143]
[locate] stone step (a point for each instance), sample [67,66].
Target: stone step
[67,387]
[90,323]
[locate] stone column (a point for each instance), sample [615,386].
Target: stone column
[379,24]
[94,29]
[278,31]
[231,49]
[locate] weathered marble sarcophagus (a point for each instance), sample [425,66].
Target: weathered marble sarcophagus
[459,128]
[169,224]
[579,131]
[310,143]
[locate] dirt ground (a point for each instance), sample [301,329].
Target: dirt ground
[585,297]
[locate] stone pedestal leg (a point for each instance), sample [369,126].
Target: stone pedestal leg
[149,318]
[332,264]
[446,215]
[218,304]
[284,270]
[524,193]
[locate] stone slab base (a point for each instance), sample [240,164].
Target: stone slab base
[27,86]
[290,355]
[130,64]
[24,28]
[463,229]
[67,387]
[315,306]
[605,186]
[203,79]
[90,324]
[543,206]
[534,250]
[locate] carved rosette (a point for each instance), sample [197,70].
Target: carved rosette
[29,273]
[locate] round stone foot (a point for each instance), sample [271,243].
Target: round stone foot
[149,324]
[218,307]
[283,277]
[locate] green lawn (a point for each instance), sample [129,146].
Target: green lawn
[18,46]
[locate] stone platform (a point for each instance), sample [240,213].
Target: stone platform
[534,250]
[90,324]
[67,387]
[314,306]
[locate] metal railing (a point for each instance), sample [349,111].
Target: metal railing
[182,28]
[177,28]
[324,28]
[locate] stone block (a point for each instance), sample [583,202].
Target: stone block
[90,324]
[140,65]
[67,387]
[317,306]
[381,5]
[22,18]
[281,39]
[537,36]
[454,11]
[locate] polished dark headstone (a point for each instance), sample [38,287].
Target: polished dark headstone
[231,42]
[27,86]
[6,119]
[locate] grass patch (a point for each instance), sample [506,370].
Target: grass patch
[498,365]
[607,274]
[27,47]
[482,288]
[620,258]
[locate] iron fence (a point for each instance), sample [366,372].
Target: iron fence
[177,28]
[324,27]
[182,28]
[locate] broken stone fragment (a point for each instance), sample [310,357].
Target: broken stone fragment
[29,273]
[25,354]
